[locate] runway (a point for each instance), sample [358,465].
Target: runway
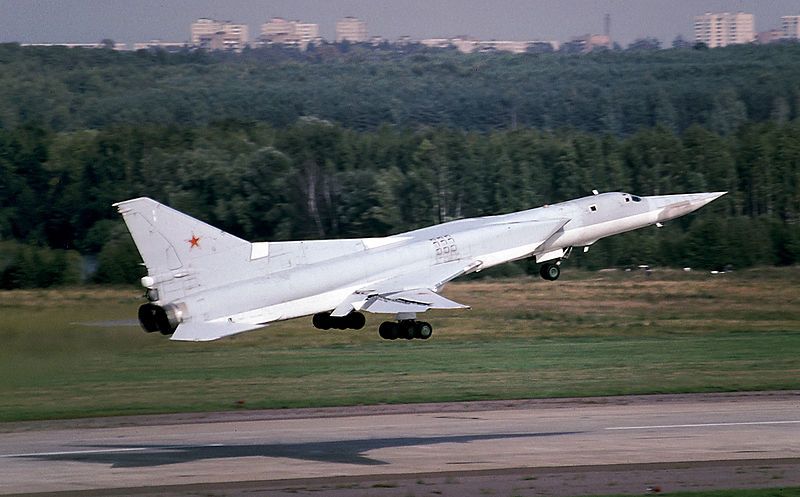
[603,445]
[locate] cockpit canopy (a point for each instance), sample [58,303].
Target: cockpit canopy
[628,197]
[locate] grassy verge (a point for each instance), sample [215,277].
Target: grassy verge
[590,334]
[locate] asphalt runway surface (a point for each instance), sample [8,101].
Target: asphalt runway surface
[588,446]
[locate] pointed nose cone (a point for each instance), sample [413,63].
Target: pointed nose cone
[672,206]
[700,199]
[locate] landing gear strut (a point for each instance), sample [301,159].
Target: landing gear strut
[407,328]
[549,271]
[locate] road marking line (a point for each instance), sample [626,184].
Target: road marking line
[700,425]
[77,452]
[105,451]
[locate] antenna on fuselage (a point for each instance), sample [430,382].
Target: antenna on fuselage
[595,192]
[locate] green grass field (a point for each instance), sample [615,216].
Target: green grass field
[588,334]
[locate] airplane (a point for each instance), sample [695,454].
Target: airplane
[204,284]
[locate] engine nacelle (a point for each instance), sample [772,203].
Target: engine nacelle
[161,318]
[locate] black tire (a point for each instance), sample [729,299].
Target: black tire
[423,330]
[550,271]
[321,321]
[406,330]
[388,330]
[356,320]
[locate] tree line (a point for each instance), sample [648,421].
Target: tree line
[361,87]
[317,179]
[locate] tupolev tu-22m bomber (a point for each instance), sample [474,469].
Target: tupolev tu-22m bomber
[203,283]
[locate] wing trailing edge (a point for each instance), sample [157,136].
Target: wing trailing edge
[413,301]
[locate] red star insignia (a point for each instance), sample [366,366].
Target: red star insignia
[194,242]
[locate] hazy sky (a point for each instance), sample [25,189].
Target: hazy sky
[40,21]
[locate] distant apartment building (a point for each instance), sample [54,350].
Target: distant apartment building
[467,44]
[719,29]
[503,46]
[771,36]
[219,35]
[114,46]
[168,46]
[351,29]
[279,31]
[438,42]
[790,27]
[307,33]
[587,43]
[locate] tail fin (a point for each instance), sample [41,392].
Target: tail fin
[184,258]
[169,240]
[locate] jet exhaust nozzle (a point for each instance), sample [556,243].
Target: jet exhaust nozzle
[164,319]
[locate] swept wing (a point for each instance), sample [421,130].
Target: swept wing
[417,291]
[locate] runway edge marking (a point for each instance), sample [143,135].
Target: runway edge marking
[703,425]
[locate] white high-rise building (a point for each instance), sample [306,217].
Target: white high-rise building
[719,29]
[219,35]
[279,31]
[351,29]
[276,28]
[307,33]
[790,27]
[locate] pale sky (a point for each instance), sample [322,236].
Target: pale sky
[128,21]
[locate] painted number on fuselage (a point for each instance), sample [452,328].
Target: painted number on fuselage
[446,248]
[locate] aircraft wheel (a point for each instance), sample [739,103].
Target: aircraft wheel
[356,320]
[423,330]
[388,330]
[406,330]
[549,271]
[321,321]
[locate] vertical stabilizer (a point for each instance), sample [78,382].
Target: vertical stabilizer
[169,240]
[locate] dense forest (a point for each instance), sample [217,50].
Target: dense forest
[272,145]
[365,87]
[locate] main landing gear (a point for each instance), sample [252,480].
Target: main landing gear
[407,328]
[389,330]
[353,321]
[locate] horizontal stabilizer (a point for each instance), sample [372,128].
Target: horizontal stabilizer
[205,331]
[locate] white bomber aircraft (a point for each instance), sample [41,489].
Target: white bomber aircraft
[203,283]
